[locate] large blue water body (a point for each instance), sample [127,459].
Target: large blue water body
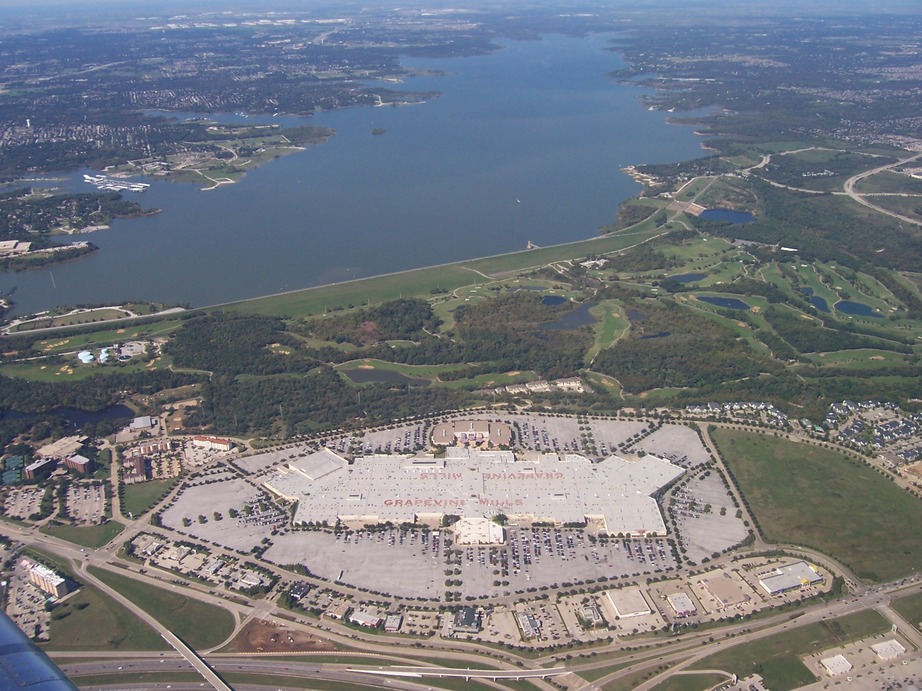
[523,144]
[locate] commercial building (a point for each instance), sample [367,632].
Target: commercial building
[467,620]
[63,447]
[80,464]
[682,604]
[794,576]
[528,624]
[393,622]
[628,602]
[369,621]
[836,665]
[472,432]
[591,616]
[47,580]
[135,470]
[212,443]
[888,650]
[339,611]
[616,495]
[299,590]
[40,469]
[12,248]
[478,531]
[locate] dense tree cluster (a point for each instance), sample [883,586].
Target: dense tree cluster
[403,319]
[668,346]
[812,336]
[237,344]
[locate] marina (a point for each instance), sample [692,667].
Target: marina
[109,184]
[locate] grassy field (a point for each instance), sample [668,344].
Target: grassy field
[139,497]
[777,658]
[312,301]
[129,332]
[612,325]
[889,181]
[92,621]
[859,359]
[415,371]
[818,498]
[690,682]
[199,624]
[91,536]
[70,371]
[911,609]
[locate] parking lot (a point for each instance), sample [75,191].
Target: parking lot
[86,503]
[26,604]
[705,517]
[218,495]
[676,443]
[404,439]
[23,502]
[418,564]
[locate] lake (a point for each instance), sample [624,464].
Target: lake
[524,144]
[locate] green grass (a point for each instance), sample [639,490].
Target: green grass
[95,622]
[414,371]
[129,332]
[199,624]
[138,498]
[68,371]
[889,181]
[859,359]
[690,682]
[818,498]
[92,536]
[910,608]
[612,325]
[777,657]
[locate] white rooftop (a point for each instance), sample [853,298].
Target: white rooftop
[565,488]
[628,602]
[788,577]
[836,665]
[888,650]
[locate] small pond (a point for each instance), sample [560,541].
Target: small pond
[819,303]
[686,278]
[552,300]
[856,308]
[572,320]
[727,216]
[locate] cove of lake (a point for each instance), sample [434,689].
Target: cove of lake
[524,144]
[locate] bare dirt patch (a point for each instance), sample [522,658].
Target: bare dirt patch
[266,637]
